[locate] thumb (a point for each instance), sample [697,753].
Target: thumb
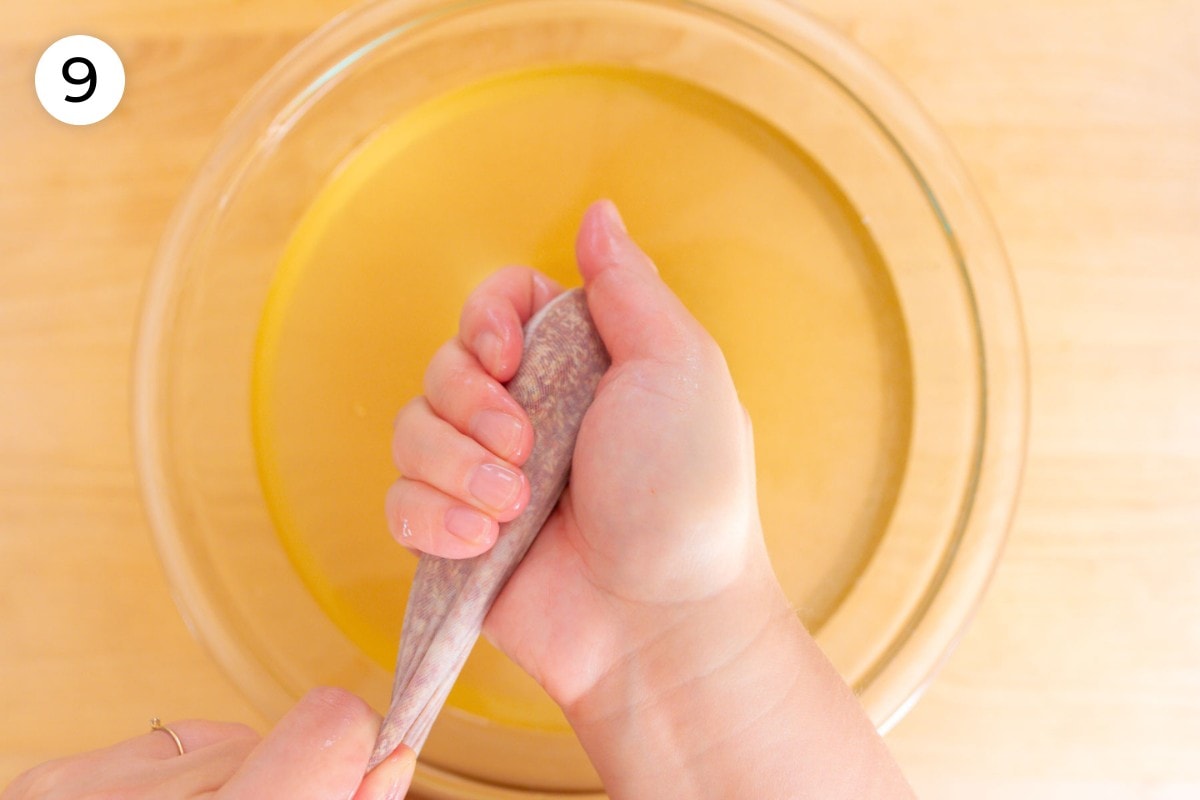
[317,751]
[637,315]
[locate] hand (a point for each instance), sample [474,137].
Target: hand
[660,513]
[647,607]
[318,751]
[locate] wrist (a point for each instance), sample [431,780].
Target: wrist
[703,675]
[732,698]
[670,645]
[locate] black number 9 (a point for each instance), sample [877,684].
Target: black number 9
[89,78]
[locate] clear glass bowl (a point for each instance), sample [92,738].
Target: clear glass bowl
[940,531]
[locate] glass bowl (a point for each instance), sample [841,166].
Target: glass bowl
[885,512]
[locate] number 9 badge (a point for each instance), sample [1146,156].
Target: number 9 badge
[79,80]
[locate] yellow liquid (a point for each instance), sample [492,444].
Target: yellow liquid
[748,230]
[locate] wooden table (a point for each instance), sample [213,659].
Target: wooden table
[1080,122]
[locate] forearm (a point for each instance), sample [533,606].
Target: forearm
[733,699]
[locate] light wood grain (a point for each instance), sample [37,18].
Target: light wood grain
[1080,122]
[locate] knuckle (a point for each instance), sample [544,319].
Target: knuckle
[442,362]
[405,417]
[397,511]
[515,272]
[475,309]
[405,438]
[453,383]
[463,379]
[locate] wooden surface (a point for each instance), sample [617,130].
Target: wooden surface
[1080,122]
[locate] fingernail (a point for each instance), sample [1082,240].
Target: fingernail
[613,216]
[498,432]
[399,774]
[391,777]
[495,486]
[619,241]
[489,349]
[543,288]
[468,524]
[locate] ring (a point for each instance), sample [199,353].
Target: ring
[156,725]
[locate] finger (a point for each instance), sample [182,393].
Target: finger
[430,521]
[637,315]
[461,392]
[136,769]
[317,751]
[391,777]
[194,734]
[204,770]
[491,324]
[426,448]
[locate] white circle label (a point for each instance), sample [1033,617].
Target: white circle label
[79,80]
